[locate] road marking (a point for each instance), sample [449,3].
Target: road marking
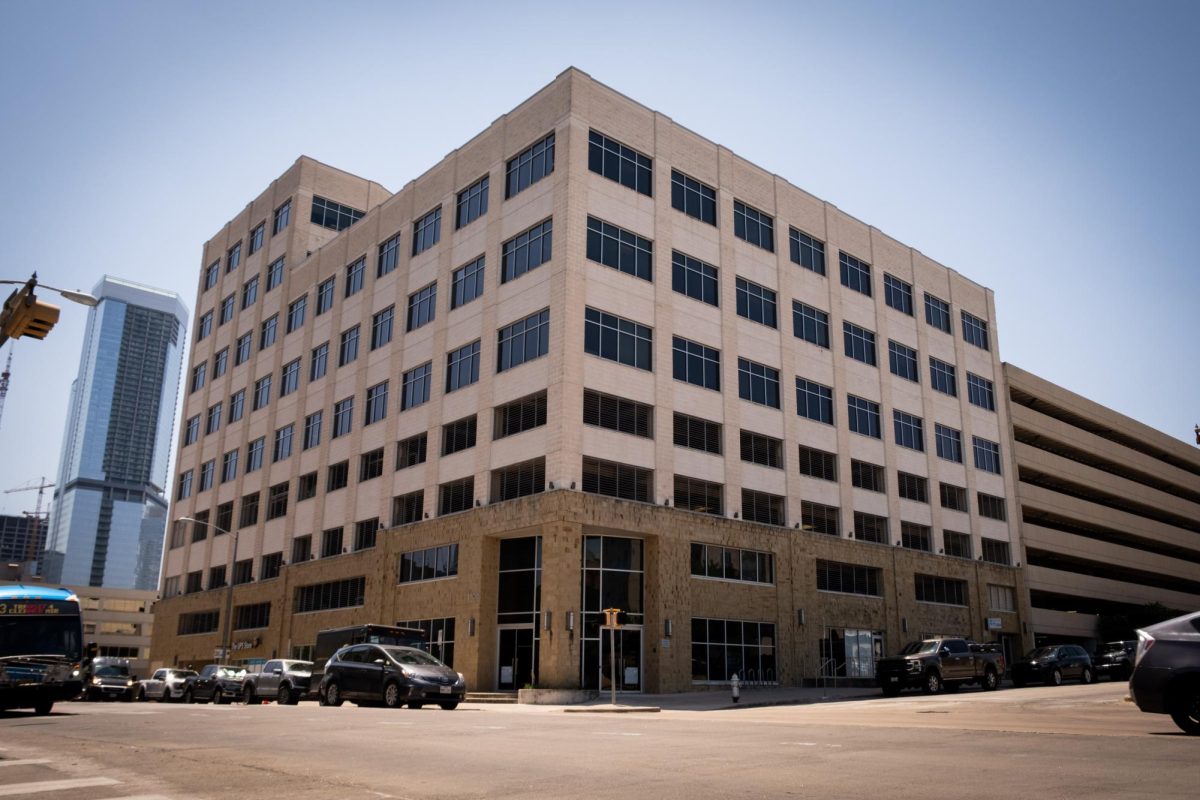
[17,762]
[613,733]
[809,744]
[389,722]
[491,727]
[54,786]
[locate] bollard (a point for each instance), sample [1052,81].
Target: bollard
[735,686]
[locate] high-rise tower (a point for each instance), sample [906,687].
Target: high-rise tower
[109,510]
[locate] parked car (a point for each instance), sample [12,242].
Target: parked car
[934,664]
[392,675]
[1114,660]
[282,680]
[166,685]
[216,682]
[1054,664]
[330,640]
[110,679]
[1166,671]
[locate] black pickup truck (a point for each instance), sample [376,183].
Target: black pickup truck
[936,664]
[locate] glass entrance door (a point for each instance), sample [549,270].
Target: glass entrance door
[629,660]
[516,658]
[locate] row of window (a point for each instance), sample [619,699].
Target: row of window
[233,256]
[508,483]
[623,164]
[631,482]
[522,253]
[517,343]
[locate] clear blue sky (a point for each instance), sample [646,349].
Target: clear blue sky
[1046,150]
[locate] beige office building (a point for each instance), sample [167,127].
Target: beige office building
[1110,511]
[588,360]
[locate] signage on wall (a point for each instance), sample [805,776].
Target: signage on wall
[994,624]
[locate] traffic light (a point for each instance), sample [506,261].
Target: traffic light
[25,315]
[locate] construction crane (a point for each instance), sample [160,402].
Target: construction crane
[4,376]
[41,488]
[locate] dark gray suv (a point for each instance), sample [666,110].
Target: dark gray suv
[390,675]
[1166,671]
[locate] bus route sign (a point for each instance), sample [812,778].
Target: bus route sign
[34,608]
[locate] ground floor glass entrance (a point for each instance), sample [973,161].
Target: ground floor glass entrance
[516,657]
[850,653]
[613,577]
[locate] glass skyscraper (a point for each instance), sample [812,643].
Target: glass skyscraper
[110,509]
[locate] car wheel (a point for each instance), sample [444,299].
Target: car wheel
[391,695]
[416,706]
[1056,677]
[450,706]
[991,681]
[1086,676]
[141,694]
[248,695]
[890,691]
[933,682]
[42,707]
[218,697]
[189,696]
[284,696]
[333,695]
[165,697]
[1185,709]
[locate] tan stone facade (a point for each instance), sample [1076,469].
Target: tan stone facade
[566,286]
[562,519]
[1110,510]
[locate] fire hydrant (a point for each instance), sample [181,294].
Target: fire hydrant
[735,686]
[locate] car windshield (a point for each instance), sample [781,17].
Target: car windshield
[1043,652]
[231,672]
[914,648]
[412,656]
[112,671]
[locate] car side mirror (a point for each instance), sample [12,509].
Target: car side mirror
[945,651]
[379,661]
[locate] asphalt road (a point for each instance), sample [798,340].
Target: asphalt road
[1043,742]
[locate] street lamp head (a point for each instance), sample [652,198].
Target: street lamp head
[83,298]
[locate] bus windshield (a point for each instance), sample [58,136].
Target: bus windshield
[40,636]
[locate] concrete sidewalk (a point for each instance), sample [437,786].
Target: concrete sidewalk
[713,700]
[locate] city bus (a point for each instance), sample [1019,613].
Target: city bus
[41,647]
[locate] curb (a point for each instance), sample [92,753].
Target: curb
[613,710]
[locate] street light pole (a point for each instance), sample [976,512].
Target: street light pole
[227,626]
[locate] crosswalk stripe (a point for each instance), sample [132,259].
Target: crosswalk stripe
[54,786]
[17,762]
